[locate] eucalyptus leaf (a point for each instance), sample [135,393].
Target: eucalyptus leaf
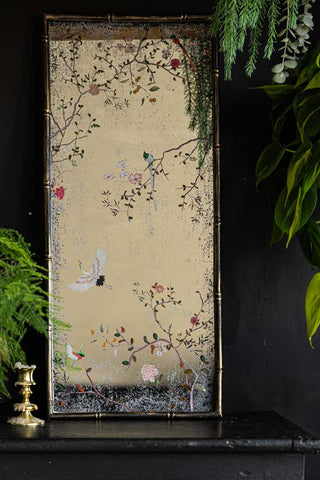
[269,160]
[312,306]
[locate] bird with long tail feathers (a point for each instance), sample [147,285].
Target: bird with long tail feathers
[149,158]
[93,278]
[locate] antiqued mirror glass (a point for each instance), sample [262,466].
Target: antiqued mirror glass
[132,201]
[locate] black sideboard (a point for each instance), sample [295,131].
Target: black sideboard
[255,446]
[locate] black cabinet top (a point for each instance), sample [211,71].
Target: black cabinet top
[252,432]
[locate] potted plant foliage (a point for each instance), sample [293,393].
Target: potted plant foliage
[291,163]
[23,301]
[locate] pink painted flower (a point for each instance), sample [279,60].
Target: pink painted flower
[175,63]
[194,320]
[149,373]
[60,191]
[166,54]
[159,288]
[94,89]
[135,178]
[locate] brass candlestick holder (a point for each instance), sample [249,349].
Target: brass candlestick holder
[25,380]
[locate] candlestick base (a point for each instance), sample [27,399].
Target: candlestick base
[25,380]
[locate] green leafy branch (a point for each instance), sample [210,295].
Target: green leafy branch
[237,21]
[291,162]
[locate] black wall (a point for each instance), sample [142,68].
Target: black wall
[268,364]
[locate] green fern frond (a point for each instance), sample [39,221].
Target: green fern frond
[23,300]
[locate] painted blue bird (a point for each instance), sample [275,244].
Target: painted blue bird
[149,158]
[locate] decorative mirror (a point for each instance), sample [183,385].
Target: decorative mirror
[132,199]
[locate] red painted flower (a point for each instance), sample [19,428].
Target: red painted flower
[175,63]
[60,191]
[159,288]
[94,89]
[194,320]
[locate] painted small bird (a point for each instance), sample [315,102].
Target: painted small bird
[93,278]
[74,355]
[149,158]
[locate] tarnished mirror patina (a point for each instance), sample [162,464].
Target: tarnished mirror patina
[132,197]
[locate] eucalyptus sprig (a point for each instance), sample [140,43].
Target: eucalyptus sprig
[291,162]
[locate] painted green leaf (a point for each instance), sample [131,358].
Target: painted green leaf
[117,334]
[296,209]
[269,160]
[125,362]
[145,339]
[309,240]
[154,89]
[155,336]
[202,358]
[312,307]
[188,371]
[314,82]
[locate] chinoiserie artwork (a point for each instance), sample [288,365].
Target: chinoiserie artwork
[131,217]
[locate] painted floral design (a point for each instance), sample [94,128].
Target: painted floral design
[194,320]
[94,89]
[175,63]
[149,373]
[135,72]
[60,192]
[159,288]
[135,178]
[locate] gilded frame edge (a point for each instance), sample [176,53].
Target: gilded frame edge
[218,367]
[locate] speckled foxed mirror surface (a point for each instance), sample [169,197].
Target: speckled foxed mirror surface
[132,193]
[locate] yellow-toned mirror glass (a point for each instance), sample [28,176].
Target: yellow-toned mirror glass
[131,217]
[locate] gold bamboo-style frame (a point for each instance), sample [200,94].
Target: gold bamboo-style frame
[218,369]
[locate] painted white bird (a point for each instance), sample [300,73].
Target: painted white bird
[93,278]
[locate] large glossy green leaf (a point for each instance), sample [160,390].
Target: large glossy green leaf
[294,210]
[314,82]
[296,221]
[302,78]
[276,92]
[308,118]
[312,306]
[269,160]
[298,166]
[309,240]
